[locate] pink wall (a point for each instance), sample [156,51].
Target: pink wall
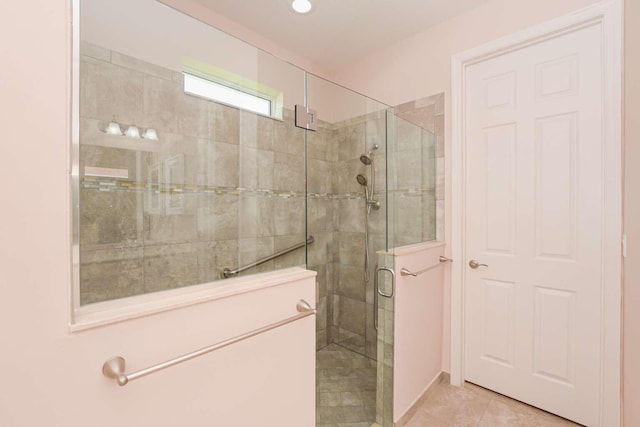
[223,23]
[418,324]
[51,377]
[632,216]
[421,65]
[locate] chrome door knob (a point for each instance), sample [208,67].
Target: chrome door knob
[475,264]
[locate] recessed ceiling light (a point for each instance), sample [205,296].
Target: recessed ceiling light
[301,6]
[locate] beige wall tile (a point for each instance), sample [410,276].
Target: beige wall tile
[110,279]
[256,168]
[350,248]
[318,176]
[217,216]
[288,173]
[192,116]
[289,216]
[170,266]
[320,215]
[351,142]
[351,215]
[255,216]
[256,131]
[160,102]
[224,123]
[351,284]
[320,251]
[108,217]
[218,164]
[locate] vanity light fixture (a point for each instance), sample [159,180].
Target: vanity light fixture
[114,128]
[301,6]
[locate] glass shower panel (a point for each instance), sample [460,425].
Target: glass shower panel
[176,188]
[412,184]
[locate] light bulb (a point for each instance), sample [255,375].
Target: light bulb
[150,134]
[301,6]
[113,129]
[133,132]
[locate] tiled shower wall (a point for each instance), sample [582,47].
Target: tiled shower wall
[352,298]
[336,209]
[220,188]
[428,114]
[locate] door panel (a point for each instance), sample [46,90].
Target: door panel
[534,215]
[555,151]
[500,196]
[498,337]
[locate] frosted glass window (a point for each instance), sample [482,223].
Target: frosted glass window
[219,92]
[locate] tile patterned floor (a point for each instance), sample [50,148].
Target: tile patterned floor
[473,406]
[346,397]
[346,388]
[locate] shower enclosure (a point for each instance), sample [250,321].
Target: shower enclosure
[196,166]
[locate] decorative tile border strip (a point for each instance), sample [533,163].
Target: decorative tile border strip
[130,186]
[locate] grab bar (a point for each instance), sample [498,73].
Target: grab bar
[115,367]
[407,272]
[227,272]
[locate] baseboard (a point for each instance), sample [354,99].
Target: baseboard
[439,379]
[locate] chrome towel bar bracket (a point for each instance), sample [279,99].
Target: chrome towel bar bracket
[115,367]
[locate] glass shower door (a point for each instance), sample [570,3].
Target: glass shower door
[347,216]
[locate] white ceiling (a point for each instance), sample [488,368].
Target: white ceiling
[338,32]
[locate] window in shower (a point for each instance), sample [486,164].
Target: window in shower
[215,83]
[225,94]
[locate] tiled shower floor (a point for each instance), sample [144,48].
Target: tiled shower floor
[346,388]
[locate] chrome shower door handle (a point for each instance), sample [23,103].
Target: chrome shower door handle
[475,264]
[393,282]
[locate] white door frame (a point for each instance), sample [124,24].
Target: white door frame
[607,14]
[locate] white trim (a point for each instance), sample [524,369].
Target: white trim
[109,312]
[608,14]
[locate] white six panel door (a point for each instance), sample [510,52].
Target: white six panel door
[534,191]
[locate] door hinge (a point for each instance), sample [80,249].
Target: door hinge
[306,118]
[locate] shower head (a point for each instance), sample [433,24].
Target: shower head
[366,159]
[361,179]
